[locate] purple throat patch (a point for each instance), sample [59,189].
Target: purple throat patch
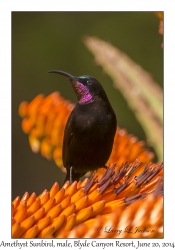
[84,97]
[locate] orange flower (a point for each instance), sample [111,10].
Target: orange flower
[123,202]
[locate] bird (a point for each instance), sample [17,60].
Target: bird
[90,129]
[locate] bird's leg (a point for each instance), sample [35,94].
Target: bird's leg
[71,170]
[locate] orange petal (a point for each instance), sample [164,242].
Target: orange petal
[15,229]
[31,199]
[39,214]
[112,206]
[33,208]
[49,204]
[25,197]
[43,223]
[81,203]
[108,196]
[77,195]
[69,210]
[59,196]
[57,222]
[71,189]
[83,214]
[54,212]
[93,197]
[26,224]
[31,233]
[66,185]
[45,198]
[97,207]
[20,213]
[65,202]
[67,225]
[47,232]
[54,189]
[16,202]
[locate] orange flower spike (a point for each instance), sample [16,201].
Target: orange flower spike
[39,214]
[54,212]
[26,224]
[20,213]
[15,229]
[16,202]
[33,208]
[31,233]
[59,196]
[49,204]
[94,196]
[80,193]
[65,203]
[25,197]
[69,210]
[112,205]
[83,214]
[47,232]
[97,207]
[54,189]
[31,199]
[43,223]
[81,203]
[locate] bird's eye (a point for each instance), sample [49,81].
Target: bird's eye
[89,82]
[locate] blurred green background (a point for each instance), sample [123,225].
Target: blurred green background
[42,41]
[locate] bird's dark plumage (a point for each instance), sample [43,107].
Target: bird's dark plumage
[90,129]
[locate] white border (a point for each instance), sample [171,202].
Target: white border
[5,94]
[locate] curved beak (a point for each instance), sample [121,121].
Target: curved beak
[67,75]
